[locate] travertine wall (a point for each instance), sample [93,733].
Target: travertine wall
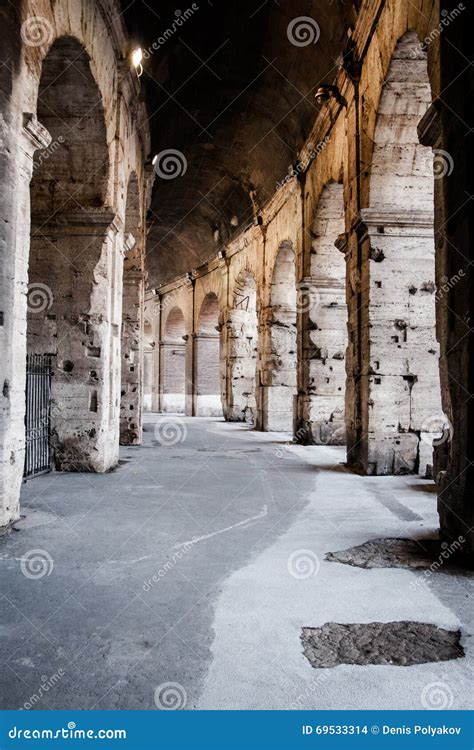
[358,213]
[324,326]
[71,123]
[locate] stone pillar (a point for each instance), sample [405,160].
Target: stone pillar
[79,325]
[322,400]
[16,165]
[277,370]
[448,128]
[242,343]
[223,331]
[156,363]
[398,377]
[132,348]
[190,373]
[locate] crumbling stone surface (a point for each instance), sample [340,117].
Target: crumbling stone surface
[72,131]
[392,643]
[390,552]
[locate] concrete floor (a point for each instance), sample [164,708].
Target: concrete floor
[222,619]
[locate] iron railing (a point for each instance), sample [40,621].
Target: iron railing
[38,414]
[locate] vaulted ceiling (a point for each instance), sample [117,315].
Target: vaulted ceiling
[230,85]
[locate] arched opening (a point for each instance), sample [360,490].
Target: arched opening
[324,325]
[70,287]
[132,320]
[242,326]
[173,358]
[401,411]
[278,366]
[149,345]
[207,360]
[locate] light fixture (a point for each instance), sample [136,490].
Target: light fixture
[137,57]
[326,92]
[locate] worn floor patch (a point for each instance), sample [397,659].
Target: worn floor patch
[395,643]
[401,553]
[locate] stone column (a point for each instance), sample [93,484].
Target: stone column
[132,348]
[277,370]
[156,363]
[322,400]
[223,336]
[398,379]
[190,374]
[79,325]
[446,128]
[242,366]
[16,164]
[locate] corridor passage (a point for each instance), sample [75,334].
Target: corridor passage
[185,578]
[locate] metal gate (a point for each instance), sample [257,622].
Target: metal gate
[38,414]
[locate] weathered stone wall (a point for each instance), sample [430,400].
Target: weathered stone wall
[80,159]
[400,361]
[324,325]
[207,359]
[365,182]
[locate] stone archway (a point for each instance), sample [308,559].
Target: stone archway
[132,320]
[324,317]
[399,391]
[242,343]
[207,401]
[69,291]
[277,390]
[173,362]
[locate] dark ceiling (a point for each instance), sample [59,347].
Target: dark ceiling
[228,89]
